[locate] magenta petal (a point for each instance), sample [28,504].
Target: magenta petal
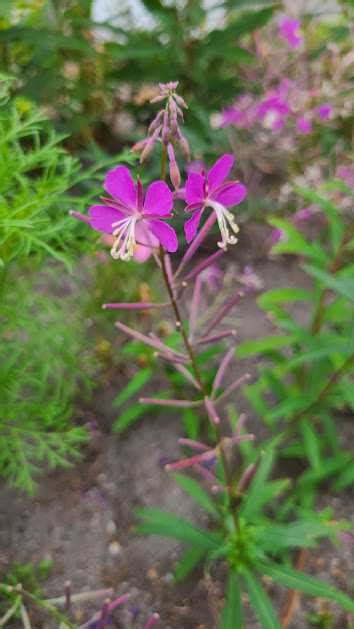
[165,234]
[232,194]
[119,183]
[142,253]
[191,226]
[194,188]
[158,199]
[102,217]
[144,236]
[220,170]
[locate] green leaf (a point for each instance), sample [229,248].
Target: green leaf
[194,489]
[134,385]
[232,613]
[191,422]
[336,225]
[311,444]
[166,524]
[263,345]
[345,478]
[188,563]
[342,286]
[259,490]
[301,534]
[296,580]
[277,296]
[249,21]
[129,416]
[296,243]
[260,602]
[289,407]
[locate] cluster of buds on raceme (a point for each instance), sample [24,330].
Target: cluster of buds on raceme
[165,129]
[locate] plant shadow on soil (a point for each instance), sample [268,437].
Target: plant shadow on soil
[83,519]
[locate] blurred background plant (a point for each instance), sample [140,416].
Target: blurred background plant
[46,361]
[96,81]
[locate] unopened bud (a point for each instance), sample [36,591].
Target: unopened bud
[183,142]
[139,146]
[149,146]
[156,122]
[165,128]
[158,99]
[175,175]
[181,102]
[246,477]
[173,116]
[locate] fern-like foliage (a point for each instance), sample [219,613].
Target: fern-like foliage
[42,335]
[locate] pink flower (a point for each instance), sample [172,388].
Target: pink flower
[324,111]
[302,215]
[133,218]
[276,236]
[241,114]
[304,125]
[273,110]
[289,30]
[347,174]
[234,116]
[211,190]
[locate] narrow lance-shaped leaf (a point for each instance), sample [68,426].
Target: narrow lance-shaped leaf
[342,286]
[155,522]
[296,580]
[260,602]
[194,489]
[134,385]
[232,613]
[188,562]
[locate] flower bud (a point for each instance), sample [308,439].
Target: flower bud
[183,142]
[180,101]
[156,122]
[175,175]
[149,146]
[139,146]
[165,128]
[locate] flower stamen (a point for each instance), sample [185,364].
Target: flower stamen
[226,223]
[125,229]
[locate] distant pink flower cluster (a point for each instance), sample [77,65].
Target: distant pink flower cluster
[273,110]
[289,30]
[282,103]
[346,173]
[135,221]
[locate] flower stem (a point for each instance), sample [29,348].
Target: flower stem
[197,375]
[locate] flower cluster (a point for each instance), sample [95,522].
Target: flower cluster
[289,30]
[287,102]
[136,219]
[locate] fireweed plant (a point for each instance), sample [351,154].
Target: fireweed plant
[246,535]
